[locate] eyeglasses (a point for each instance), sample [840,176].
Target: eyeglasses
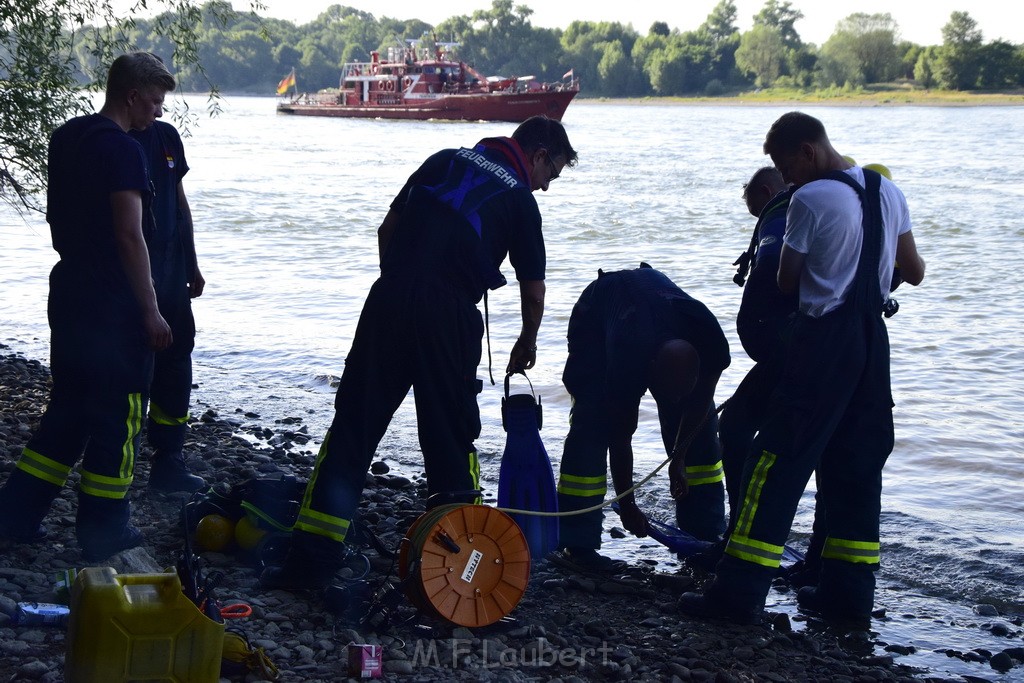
[551,167]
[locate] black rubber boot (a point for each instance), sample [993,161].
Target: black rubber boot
[170,474]
[24,502]
[736,595]
[102,527]
[311,563]
[715,606]
[811,600]
[844,596]
[801,573]
[586,560]
[706,560]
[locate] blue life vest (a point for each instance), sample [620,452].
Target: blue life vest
[474,178]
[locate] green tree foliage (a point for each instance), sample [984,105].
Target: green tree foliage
[704,60]
[761,54]
[56,46]
[586,44]
[862,50]
[691,62]
[724,38]
[908,61]
[782,17]
[959,63]
[721,23]
[794,61]
[454,29]
[286,58]
[667,69]
[615,68]
[49,49]
[501,39]
[35,58]
[838,64]
[924,67]
[801,66]
[1001,65]
[643,49]
[660,28]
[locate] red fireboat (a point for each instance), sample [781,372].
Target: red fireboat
[412,84]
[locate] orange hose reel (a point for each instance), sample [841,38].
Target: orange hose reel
[469,564]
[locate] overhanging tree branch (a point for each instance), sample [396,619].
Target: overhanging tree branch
[55,53]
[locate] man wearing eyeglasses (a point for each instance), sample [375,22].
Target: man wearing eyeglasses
[441,246]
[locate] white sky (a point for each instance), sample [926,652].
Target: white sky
[920,21]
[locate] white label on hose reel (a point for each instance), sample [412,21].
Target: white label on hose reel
[471,566]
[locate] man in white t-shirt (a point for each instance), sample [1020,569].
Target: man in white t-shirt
[846,228]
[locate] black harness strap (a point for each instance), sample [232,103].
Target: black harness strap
[866,293]
[747,257]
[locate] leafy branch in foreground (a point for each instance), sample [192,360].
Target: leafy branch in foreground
[44,80]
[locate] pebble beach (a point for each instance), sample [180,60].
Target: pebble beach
[567,627]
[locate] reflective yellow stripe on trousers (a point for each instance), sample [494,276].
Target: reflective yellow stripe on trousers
[474,474]
[133,425]
[705,474]
[857,552]
[116,487]
[320,524]
[314,522]
[572,485]
[741,545]
[161,417]
[103,486]
[41,467]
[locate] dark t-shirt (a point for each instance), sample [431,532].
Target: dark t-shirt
[90,158]
[619,323]
[461,213]
[165,155]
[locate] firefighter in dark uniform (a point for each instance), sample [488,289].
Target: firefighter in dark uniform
[441,244]
[630,331]
[763,316]
[760,323]
[103,315]
[177,279]
[832,409]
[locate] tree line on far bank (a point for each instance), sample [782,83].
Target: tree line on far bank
[242,52]
[54,54]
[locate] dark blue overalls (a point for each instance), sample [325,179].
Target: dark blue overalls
[832,412]
[171,388]
[419,328]
[616,327]
[100,364]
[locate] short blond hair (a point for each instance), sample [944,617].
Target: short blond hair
[138,70]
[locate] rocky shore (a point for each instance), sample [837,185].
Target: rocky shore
[567,627]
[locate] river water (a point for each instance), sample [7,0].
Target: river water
[286,211]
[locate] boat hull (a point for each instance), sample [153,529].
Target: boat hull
[510,107]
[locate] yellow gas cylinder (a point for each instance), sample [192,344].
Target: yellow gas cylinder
[131,627]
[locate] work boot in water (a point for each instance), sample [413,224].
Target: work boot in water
[812,600]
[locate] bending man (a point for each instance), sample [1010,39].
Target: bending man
[630,331]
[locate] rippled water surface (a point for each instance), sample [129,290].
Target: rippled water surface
[286,214]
